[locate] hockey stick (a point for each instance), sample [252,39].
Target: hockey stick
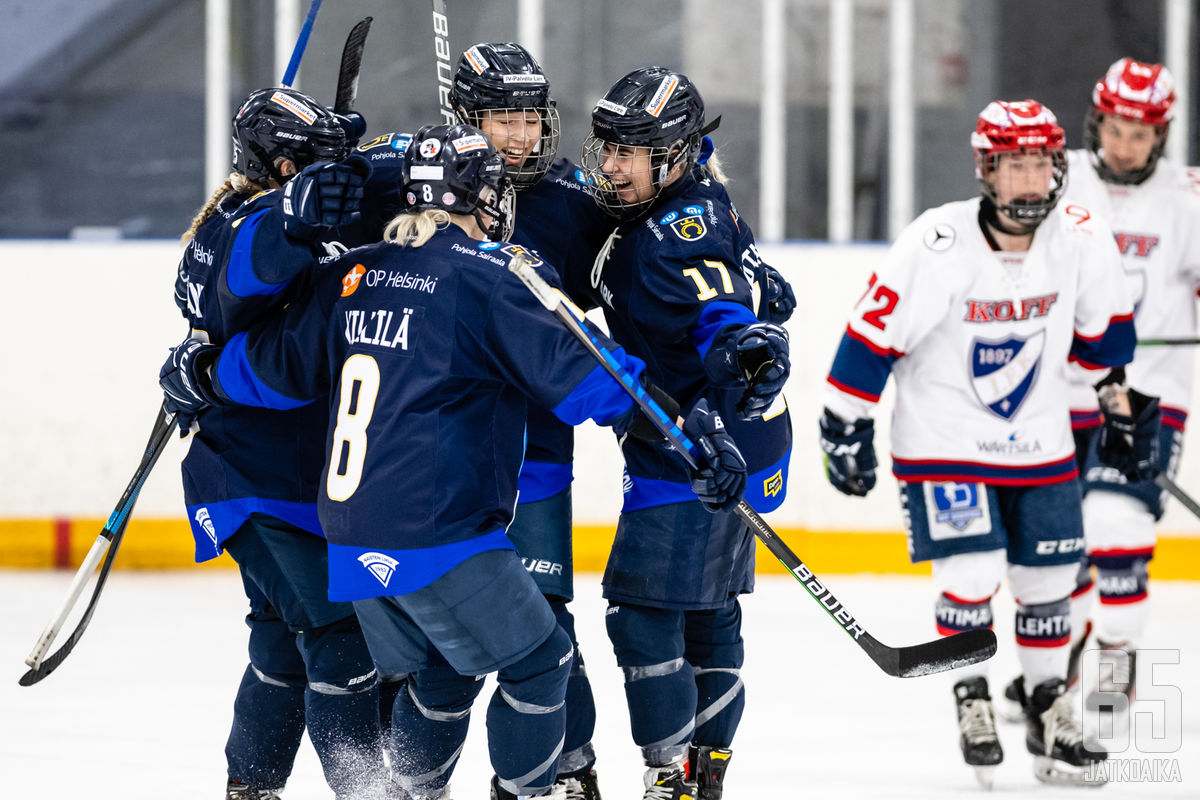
[1164,482]
[1167,342]
[107,542]
[352,54]
[441,50]
[289,74]
[938,655]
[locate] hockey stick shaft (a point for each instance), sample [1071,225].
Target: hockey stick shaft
[105,547]
[1164,482]
[352,54]
[289,74]
[441,52]
[1168,342]
[936,656]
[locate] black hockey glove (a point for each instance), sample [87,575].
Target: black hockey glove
[719,479]
[187,387]
[781,300]
[759,354]
[849,454]
[354,124]
[324,196]
[1129,442]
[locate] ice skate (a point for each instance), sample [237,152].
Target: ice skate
[582,786]
[1055,739]
[555,792]
[977,722]
[1011,709]
[236,790]
[708,765]
[669,782]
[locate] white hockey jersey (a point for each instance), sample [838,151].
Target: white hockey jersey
[1157,230]
[979,342]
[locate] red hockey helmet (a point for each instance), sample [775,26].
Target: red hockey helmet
[1022,126]
[1135,91]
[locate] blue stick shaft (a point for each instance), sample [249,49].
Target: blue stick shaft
[289,75]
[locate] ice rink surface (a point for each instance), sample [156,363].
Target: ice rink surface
[142,708]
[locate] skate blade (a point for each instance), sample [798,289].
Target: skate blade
[986,776]
[1058,773]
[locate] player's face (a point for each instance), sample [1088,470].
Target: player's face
[1125,144]
[1022,176]
[629,172]
[515,132]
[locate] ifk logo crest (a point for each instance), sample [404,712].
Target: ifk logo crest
[381,566]
[1002,373]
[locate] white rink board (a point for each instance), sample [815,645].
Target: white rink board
[85,326]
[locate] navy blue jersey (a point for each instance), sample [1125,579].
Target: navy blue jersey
[558,218]
[428,355]
[673,281]
[239,268]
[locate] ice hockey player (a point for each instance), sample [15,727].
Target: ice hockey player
[683,288]
[976,310]
[428,347]
[1153,207]
[502,90]
[250,476]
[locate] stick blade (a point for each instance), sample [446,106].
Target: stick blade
[939,655]
[352,55]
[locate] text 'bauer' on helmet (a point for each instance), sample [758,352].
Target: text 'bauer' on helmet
[454,168]
[278,123]
[655,110]
[1019,128]
[498,87]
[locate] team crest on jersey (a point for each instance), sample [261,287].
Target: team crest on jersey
[204,520]
[1002,373]
[379,565]
[512,250]
[690,228]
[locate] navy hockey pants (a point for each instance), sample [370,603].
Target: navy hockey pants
[484,615]
[309,665]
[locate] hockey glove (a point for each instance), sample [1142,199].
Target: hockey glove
[781,300]
[324,196]
[849,454]
[354,125]
[187,387]
[719,478]
[1129,442]
[760,353]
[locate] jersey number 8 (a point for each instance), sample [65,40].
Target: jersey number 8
[360,388]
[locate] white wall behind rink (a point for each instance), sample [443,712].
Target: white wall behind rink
[84,327]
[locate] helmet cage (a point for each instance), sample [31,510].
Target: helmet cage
[541,156]
[282,123]
[662,160]
[1026,213]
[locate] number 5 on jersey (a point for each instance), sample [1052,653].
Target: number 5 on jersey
[360,388]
